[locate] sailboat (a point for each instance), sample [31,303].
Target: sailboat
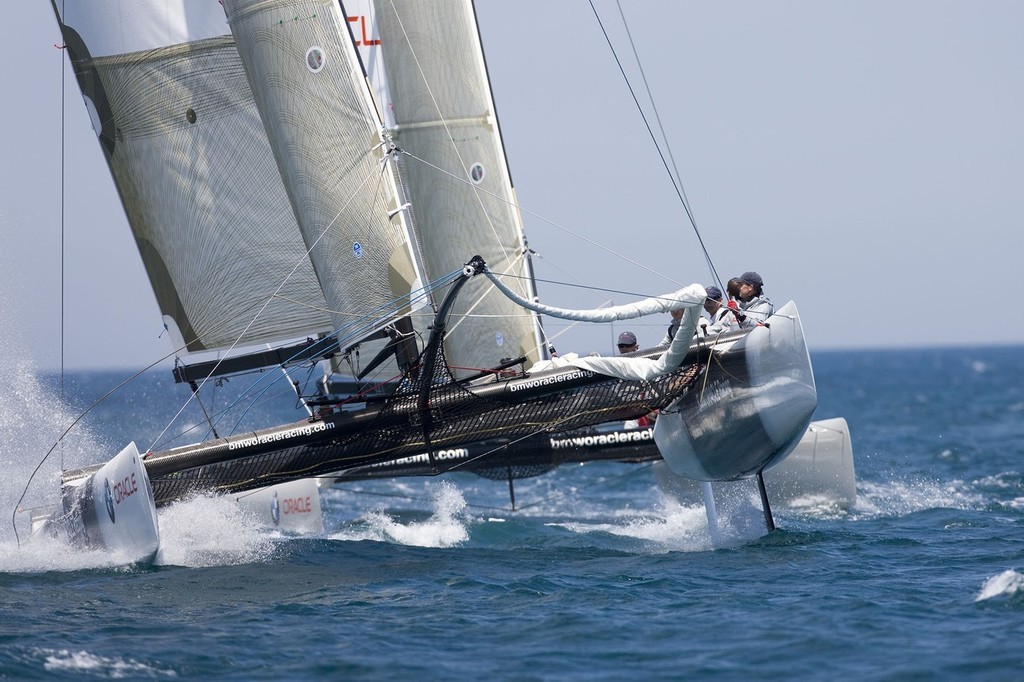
[298,203]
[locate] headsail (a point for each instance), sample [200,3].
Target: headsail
[457,176]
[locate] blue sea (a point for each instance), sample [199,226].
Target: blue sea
[595,576]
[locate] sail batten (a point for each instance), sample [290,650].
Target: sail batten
[486,120]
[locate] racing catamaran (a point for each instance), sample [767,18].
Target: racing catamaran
[287,190]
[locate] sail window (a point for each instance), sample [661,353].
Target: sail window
[476,173]
[315,59]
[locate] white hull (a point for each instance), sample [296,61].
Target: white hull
[819,472]
[292,507]
[111,510]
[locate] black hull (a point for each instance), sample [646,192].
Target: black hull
[524,409]
[734,407]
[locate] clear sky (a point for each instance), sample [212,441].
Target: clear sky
[867,158]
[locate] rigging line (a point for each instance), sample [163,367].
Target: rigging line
[252,395]
[609,302]
[437,108]
[364,323]
[661,155]
[502,316]
[63,125]
[707,370]
[352,332]
[257,396]
[549,339]
[676,177]
[553,266]
[123,383]
[217,415]
[356,397]
[552,223]
[266,304]
[423,293]
[592,288]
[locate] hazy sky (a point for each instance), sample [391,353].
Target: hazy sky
[865,157]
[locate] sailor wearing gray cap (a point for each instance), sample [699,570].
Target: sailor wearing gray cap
[627,342]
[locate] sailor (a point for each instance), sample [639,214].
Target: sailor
[627,342]
[716,318]
[754,305]
[732,288]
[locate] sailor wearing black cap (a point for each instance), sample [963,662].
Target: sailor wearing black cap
[754,304]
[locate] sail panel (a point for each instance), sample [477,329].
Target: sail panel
[199,185]
[114,27]
[461,192]
[325,133]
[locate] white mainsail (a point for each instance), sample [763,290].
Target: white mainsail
[325,133]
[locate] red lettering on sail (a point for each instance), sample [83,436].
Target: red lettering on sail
[366,39]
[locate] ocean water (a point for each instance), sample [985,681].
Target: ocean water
[596,575]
